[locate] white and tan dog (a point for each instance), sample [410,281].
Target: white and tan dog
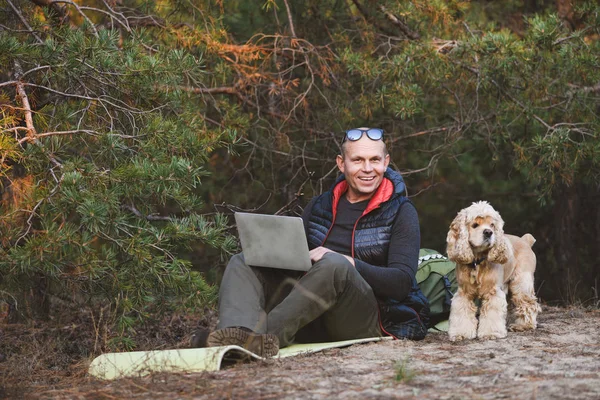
[490,266]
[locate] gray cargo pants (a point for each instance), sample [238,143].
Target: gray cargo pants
[330,302]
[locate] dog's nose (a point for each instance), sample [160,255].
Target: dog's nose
[487,233]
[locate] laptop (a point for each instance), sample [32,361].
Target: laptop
[273,241]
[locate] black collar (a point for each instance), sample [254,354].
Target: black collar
[477,262]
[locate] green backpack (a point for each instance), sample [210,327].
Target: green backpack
[437,279]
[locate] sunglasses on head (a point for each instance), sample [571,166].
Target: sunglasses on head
[355,134]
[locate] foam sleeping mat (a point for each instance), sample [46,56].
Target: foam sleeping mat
[139,363]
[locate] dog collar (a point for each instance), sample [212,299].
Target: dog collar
[475,263]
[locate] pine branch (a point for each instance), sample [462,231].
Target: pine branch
[421,133]
[576,35]
[24,21]
[131,22]
[138,214]
[16,128]
[550,128]
[114,16]
[370,18]
[8,83]
[523,107]
[36,69]
[33,212]
[432,161]
[147,20]
[102,99]
[584,89]
[230,90]
[51,4]
[401,25]
[289,14]
[276,151]
[297,196]
[77,7]
[508,95]
[31,133]
[60,133]
[215,90]
[101,11]
[232,208]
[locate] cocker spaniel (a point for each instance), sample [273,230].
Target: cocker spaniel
[490,266]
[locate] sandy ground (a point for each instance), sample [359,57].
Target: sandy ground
[560,360]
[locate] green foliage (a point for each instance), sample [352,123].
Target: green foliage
[148,116]
[112,204]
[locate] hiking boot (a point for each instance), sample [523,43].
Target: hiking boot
[263,345]
[199,338]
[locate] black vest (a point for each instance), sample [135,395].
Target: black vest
[408,318]
[372,233]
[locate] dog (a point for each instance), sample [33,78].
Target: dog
[490,266]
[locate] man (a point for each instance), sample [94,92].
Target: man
[364,239]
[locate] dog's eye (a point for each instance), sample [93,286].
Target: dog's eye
[492,225]
[475,225]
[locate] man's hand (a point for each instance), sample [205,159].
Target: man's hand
[317,253]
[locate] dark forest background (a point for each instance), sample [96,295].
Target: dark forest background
[131,130]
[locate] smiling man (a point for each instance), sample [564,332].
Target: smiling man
[363,163]
[364,239]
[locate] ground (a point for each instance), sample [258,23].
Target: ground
[559,360]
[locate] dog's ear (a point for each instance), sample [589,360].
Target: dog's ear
[499,252]
[458,247]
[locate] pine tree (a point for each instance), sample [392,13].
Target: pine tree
[120,120]
[103,156]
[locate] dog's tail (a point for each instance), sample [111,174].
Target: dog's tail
[528,237]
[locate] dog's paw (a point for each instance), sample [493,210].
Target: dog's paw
[459,336]
[492,327]
[492,336]
[491,332]
[520,327]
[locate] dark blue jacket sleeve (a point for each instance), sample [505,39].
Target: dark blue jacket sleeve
[395,280]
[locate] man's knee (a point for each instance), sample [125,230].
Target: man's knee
[237,259]
[237,266]
[335,265]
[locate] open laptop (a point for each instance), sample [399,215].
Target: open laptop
[273,241]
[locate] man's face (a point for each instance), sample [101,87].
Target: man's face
[363,165]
